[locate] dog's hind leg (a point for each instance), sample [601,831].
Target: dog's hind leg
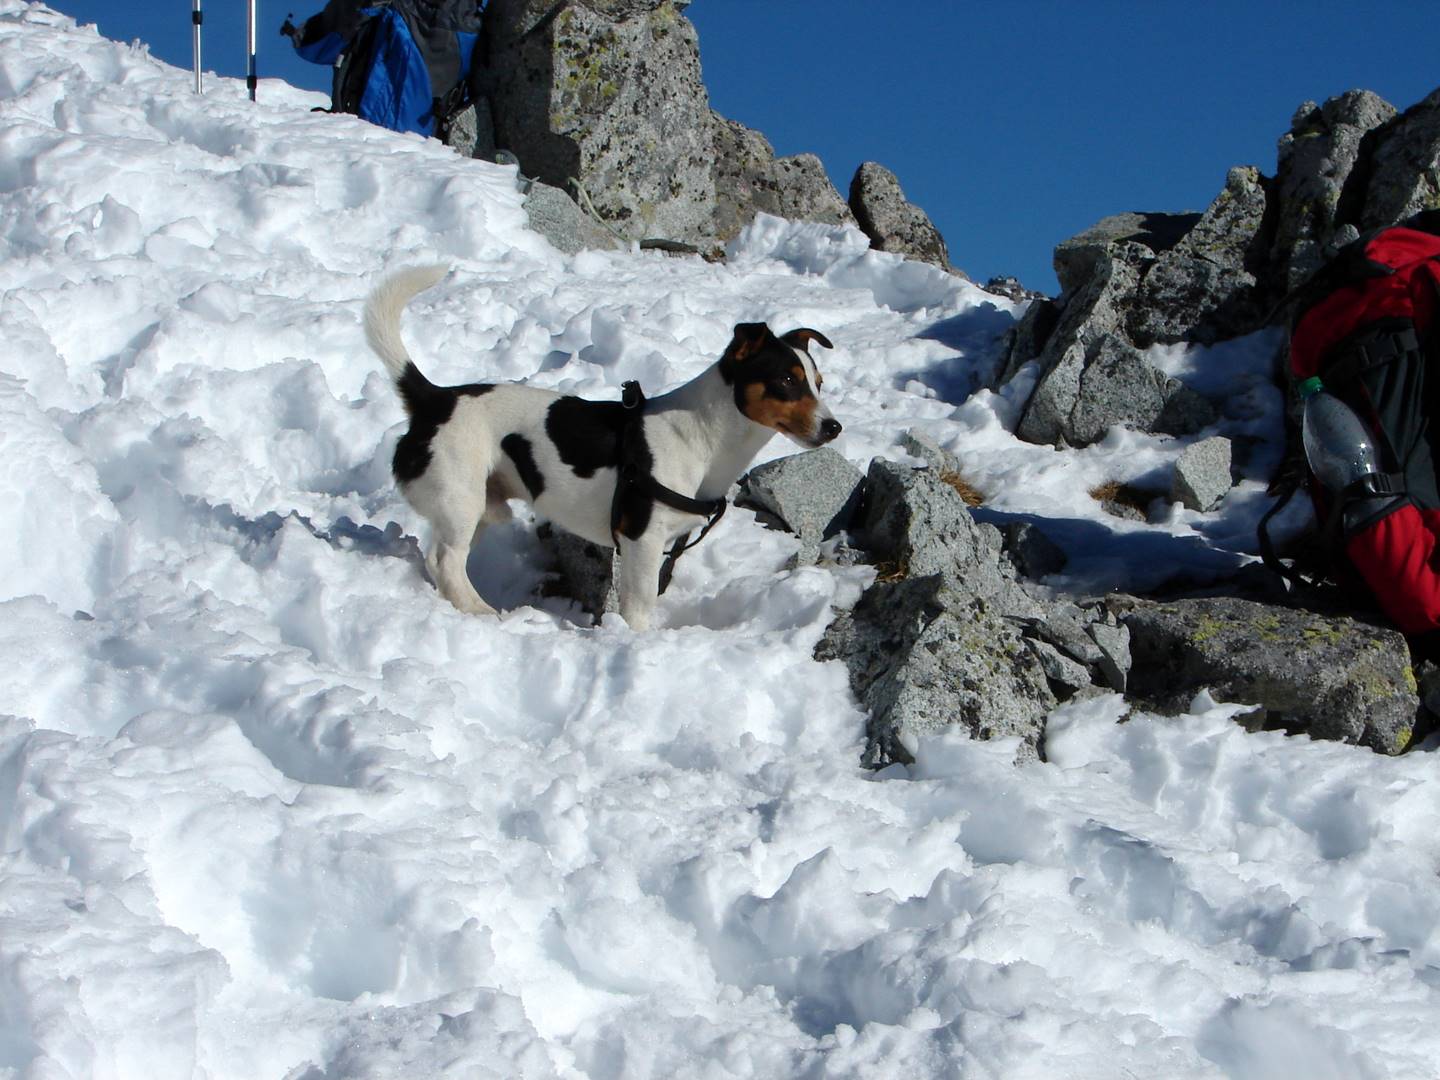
[454,530]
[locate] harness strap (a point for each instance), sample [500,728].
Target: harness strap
[629,476]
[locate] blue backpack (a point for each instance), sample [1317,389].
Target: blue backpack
[406,65]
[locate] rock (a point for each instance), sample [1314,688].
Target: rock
[609,93]
[922,656]
[918,444]
[1011,288]
[805,192]
[1092,377]
[1027,339]
[749,179]
[1077,260]
[917,525]
[1087,315]
[1034,554]
[1063,672]
[892,222]
[1330,677]
[1067,633]
[1404,173]
[1114,645]
[472,131]
[1315,161]
[1117,386]
[558,218]
[814,495]
[1202,474]
[1205,287]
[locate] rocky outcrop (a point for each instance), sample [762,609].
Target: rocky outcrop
[923,655]
[1138,280]
[606,96]
[954,634]
[587,91]
[891,221]
[1317,157]
[1326,676]
[1402,175]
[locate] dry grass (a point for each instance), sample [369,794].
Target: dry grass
[972,495]
[1117,494]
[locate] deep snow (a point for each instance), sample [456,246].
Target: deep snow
[271,808]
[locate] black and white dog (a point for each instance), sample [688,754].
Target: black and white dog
[470,448]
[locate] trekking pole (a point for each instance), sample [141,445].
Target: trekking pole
[196,18]
[250,79]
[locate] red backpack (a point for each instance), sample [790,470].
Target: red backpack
[1367,325]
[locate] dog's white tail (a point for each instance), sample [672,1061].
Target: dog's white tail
[382,314]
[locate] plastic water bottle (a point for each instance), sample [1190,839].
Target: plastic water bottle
[1338,445]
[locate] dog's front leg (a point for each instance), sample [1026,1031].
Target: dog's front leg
[640,579]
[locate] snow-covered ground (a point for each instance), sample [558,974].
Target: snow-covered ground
[271,808]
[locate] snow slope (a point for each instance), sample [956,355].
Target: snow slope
[270,808]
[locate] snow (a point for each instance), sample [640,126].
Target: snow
[270,808]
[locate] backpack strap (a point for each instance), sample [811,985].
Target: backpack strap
[1268,555]
[1371,350]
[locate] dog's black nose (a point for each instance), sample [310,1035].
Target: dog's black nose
[829,428]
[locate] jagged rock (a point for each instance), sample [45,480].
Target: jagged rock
[1315,161]
[1109,383]
[891,221]
[1114,644]
[918,444]
[1034,554]
[1117,386]
[1404,172]
[923,655]
[1011,288]
[1330,677]
[609,93]
[1069,675]
[1202,474]
[1088,314]
[806,193]
[749,179]
[917,525]
[1078,259]
[558,218]
[1027,339]
[814,495]
[1204,287]
[472,131]
[1092,374]
[1067,633]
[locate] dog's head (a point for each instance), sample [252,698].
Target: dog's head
[777,384]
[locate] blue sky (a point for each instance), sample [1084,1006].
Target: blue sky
[1015,125]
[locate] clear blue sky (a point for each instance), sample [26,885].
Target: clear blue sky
[1013,124]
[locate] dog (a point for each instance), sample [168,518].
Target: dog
[471,448]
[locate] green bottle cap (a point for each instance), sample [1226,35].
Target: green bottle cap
[1312,385]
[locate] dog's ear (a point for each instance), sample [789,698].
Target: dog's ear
[802,337]
[750,338]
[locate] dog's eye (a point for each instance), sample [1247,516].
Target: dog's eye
[789,379]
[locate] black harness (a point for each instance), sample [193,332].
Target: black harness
[631,476]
